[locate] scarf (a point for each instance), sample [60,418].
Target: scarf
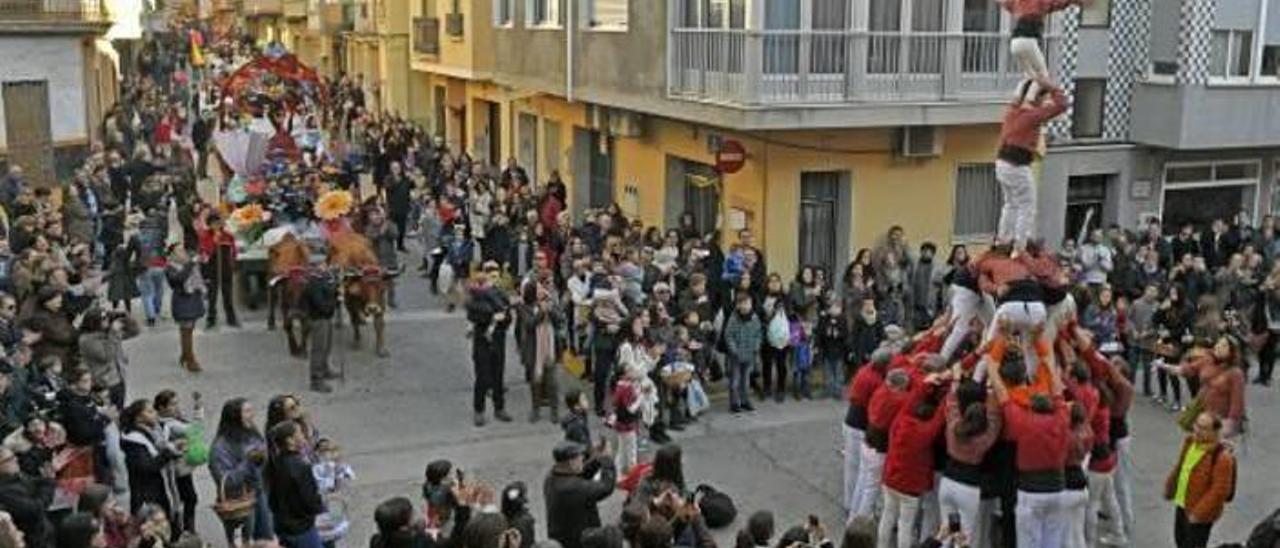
[544,347]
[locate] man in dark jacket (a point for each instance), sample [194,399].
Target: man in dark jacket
[571,494]
[291,489]
[25,499]
[399,195]
[319,302]
[487,312]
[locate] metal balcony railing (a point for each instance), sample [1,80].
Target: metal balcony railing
[52,10]
[812,67]
[426,35]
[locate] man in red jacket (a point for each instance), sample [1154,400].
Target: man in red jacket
[218,260]
[885,403]
[1019,141]
[908,467]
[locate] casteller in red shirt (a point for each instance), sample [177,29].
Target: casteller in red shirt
[883,410]
[909,464]
[1042,444]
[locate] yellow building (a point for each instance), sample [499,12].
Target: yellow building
[849,126]
[377,51]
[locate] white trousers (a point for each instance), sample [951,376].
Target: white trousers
[867,493]
[1102,498]
[966,305]
[1018,187]
[975,513]
[852,456]
[1124,483]
[1041,521]
[627,450]
[899,512]
[930,510]
[1026,51]
[1075,503]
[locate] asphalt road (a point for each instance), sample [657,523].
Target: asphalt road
[391,416]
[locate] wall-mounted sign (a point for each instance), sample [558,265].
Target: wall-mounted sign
[730,157]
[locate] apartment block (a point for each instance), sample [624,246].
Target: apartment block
[1176,115]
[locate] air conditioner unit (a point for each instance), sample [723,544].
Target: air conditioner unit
[919,141]
[624,123]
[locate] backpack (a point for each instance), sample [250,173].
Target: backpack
[1266,534]
[716,507]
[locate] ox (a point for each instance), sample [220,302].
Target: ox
[364,285]
[289,262]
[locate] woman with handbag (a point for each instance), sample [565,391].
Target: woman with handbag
[1172,322]
[236,458]
[1222,383]
[175,427]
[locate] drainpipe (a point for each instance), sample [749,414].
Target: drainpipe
[568,50]
[1259,41]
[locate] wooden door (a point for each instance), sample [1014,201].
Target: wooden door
[27,130]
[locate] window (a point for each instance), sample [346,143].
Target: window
[1270,62]
[819,218]
[1086,117]
[1232,53]
[977,203]
[542,13]
[1237,172]
[606,14]
[551,145]
[503,11]
[984,48]
[1096,14]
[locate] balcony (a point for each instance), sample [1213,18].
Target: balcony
[1213,116]
[808,68]
[40,12]
[426,35]
[263,8]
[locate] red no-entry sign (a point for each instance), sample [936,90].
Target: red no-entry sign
[730,157]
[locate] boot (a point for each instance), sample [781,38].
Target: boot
[186,339]
[535,398]
[502,416]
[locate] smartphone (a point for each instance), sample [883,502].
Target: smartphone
[953,522]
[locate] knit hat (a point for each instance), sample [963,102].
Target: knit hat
[567,450]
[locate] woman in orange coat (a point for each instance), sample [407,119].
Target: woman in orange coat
[1221,381]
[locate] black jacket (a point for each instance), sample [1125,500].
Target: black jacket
[146,460]
[292,494]
[576,428]
[25,499]
[85,426]
[319,297]
[571,502]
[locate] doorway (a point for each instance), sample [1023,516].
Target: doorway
[692,187]
[824,221]
[527,149]
[592,169]
[28,129]
[495,133]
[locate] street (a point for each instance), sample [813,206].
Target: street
[392,416]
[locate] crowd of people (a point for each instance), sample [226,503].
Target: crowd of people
[986,398]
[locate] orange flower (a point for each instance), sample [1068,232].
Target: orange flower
[334,204]
[248,215]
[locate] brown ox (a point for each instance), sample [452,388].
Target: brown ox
[289,260]
[364,285]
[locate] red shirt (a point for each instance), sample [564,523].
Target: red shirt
[908,466]
[881,414]
[1042,439]
[1037,9]
[995,270]
[864,384]
[1021,125]
[210,239]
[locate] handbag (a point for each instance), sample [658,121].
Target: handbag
[573,363]
[696,398]
[234,509]
[197,448]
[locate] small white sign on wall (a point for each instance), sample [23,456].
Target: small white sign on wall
[737,219]
[1140,189]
